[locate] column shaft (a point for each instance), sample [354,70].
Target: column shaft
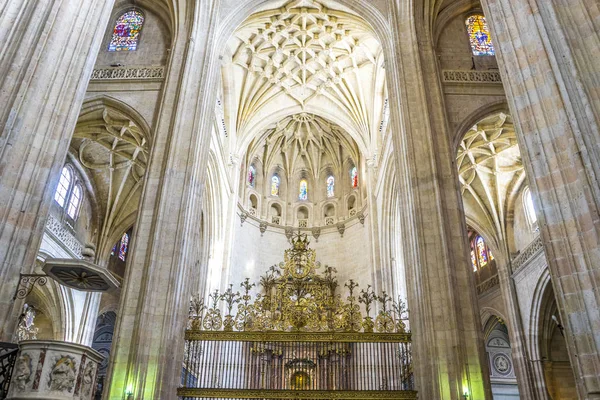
[147,353]
[447,338]
[48,53]
[548,52]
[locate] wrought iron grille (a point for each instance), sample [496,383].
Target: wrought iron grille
[8,356]
[299,338]
[297,364]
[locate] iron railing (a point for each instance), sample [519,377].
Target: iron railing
[300,365]
[8,356]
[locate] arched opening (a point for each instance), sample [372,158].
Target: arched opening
[502,372]
[102,343]
[253,202]
[351,202]
[118,254]
[553,350]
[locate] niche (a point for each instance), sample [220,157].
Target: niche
[351,202]
[253,202]
[275,210]
[302,213]
[329,211]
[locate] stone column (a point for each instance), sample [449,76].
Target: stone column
[147,352]
[548,57]
[448,346]
[524,371]
[48,53]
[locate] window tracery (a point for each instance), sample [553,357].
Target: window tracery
[354,177]
[74,202]
[479,36]
[529,208]
[330,186]
[303,192]
[481,251]
[252,176]
[126,32]
[64,184]
[124,246]
[275,185]
[69,193]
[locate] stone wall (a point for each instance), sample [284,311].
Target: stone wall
[350,254]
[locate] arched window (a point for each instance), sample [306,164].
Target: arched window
[479,36]
[74,202]
[64,184]
[473,260]
[354,177]
[69,193]
[252,176]
[303,193]
[529,209]
[330,186]
[482,253]
[275,185]
[127,32]
[123,247]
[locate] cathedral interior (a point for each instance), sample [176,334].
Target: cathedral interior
[300,199]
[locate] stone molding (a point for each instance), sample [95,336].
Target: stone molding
[57,231]
[528,253]
[462,76]
[488,284]
[304,224]
[118,73]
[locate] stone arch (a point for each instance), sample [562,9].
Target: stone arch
[481,113]
[276,208]
[453,10]
[254,202]
[302,211]
[487,314]
[547,341]
[330,209]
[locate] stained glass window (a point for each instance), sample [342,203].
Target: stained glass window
[252,176]
[275,185]
[63,186]
[123,246]
[479,36]
[74,202]
[354,177]
[303,195]
[330,186]
[481,251]
[127,32]
[529,209]
[474,260]
[114,250]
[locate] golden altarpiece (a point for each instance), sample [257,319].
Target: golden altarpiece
[298,338]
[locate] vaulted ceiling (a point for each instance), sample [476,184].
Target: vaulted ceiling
[305,56]
[491,173]
[304,142]
[114,150]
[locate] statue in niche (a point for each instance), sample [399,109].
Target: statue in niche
[62,375]
[88,378]
[23,371]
